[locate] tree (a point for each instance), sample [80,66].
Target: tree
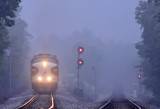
[19,52]
[4,41]
[7,11]
[157,3]
[149,47]
[7,15]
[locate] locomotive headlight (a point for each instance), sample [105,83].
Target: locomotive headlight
[49,78]
[39,78]
[44,64]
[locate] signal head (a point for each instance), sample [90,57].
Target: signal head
[139,76]
[80,50]
[141,68]
[80,62]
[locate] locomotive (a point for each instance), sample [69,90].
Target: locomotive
[44,73]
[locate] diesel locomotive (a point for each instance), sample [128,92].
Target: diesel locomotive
[44,73]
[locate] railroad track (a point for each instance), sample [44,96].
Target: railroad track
[38,102]
[120,103]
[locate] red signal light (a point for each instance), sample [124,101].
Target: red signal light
[142,69]
[80,62]
[80,50]
[139,76]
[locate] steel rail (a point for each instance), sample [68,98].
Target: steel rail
[134,104]
[52,101]
[29,102]
[106,104]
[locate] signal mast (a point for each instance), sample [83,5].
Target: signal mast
[80,61]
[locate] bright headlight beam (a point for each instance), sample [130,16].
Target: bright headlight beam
[44,64]
[49,78]
[40,78]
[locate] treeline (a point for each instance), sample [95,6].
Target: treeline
[147,15]
[106,58]
[14,48]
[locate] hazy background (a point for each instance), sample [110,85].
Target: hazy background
[106,28]
[106,18]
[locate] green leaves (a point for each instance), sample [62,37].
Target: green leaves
[4,39]
[19,54]
[157,4]
[7,15]
[7,11]
[149,47]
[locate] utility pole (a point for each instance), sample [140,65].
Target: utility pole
[78,71]
[95,79]
[139,77]
[10,71]
[8,52]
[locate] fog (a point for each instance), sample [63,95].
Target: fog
[105,28]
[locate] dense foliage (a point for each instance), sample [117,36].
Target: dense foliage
[19,53]
[149,47]
[14,48]
[8,10]
[14,64]
[4,41]
[103,57]
[157,4]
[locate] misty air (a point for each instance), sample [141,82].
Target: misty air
[79,54]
